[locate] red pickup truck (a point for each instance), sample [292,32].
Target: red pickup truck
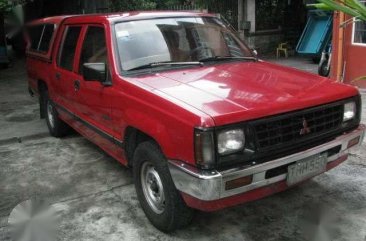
[182,100]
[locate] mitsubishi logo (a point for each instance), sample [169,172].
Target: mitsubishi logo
[305,130]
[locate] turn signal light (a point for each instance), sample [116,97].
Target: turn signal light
[353,142]
[240,182]
[204,149]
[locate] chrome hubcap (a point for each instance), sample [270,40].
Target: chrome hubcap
[51,118]
[152,188]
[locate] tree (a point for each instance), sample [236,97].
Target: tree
[5,6]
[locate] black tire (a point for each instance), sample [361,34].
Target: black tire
[323,70]
[42,105]
[58,128]
[175,213]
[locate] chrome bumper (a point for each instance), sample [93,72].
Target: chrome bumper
[210,185]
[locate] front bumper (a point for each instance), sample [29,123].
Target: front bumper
[209,186]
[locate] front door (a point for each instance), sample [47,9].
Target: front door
[92,97]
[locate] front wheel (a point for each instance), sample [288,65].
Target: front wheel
[159,198]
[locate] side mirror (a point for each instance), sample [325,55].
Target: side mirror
[94,72]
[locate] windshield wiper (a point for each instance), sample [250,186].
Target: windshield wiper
[168,63]
[223,58]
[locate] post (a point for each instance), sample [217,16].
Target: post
[240,13]
[250,13]
[340,37]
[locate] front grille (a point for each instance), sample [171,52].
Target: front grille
[279,135]
[292,127]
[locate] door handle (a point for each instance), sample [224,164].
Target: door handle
[58,76]
[76,85]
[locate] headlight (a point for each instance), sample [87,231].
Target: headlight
[349,111]
[230,141]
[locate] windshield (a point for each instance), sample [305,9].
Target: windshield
[182,40]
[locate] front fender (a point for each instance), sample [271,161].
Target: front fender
[152,127]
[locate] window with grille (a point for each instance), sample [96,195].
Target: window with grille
[359,31]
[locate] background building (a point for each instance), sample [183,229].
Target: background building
[262,23]
[266,23]
[349,50]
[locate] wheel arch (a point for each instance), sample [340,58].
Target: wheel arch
[41,87]
[132,138]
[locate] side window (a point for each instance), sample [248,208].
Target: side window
[44,45]
[359,34]
[67,53]
[40,37]
[94,47]
[35,33]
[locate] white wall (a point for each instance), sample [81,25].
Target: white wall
[250,14]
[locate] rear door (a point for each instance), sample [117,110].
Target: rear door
[65,76]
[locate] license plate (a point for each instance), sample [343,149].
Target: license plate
[306,168]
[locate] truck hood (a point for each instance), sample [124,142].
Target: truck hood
[239,91]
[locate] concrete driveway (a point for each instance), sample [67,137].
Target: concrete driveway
[98,202]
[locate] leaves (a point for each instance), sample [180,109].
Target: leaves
[5,6]
[351,7]
[358,79]
[321,6]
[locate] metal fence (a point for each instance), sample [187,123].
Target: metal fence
[227,9]
[187,7]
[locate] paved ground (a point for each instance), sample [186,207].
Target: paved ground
[97,199]
[305,64]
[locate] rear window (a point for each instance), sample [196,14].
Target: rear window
[40,37]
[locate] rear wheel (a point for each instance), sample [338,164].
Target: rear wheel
[56,126]
[159,198]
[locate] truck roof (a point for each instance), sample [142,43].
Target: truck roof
[54,20]
[122,16]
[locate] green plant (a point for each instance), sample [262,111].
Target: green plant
[5,6]
[358,79]
[351,7]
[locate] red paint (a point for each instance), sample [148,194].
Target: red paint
[169,105]
[353,61]
[210,206]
